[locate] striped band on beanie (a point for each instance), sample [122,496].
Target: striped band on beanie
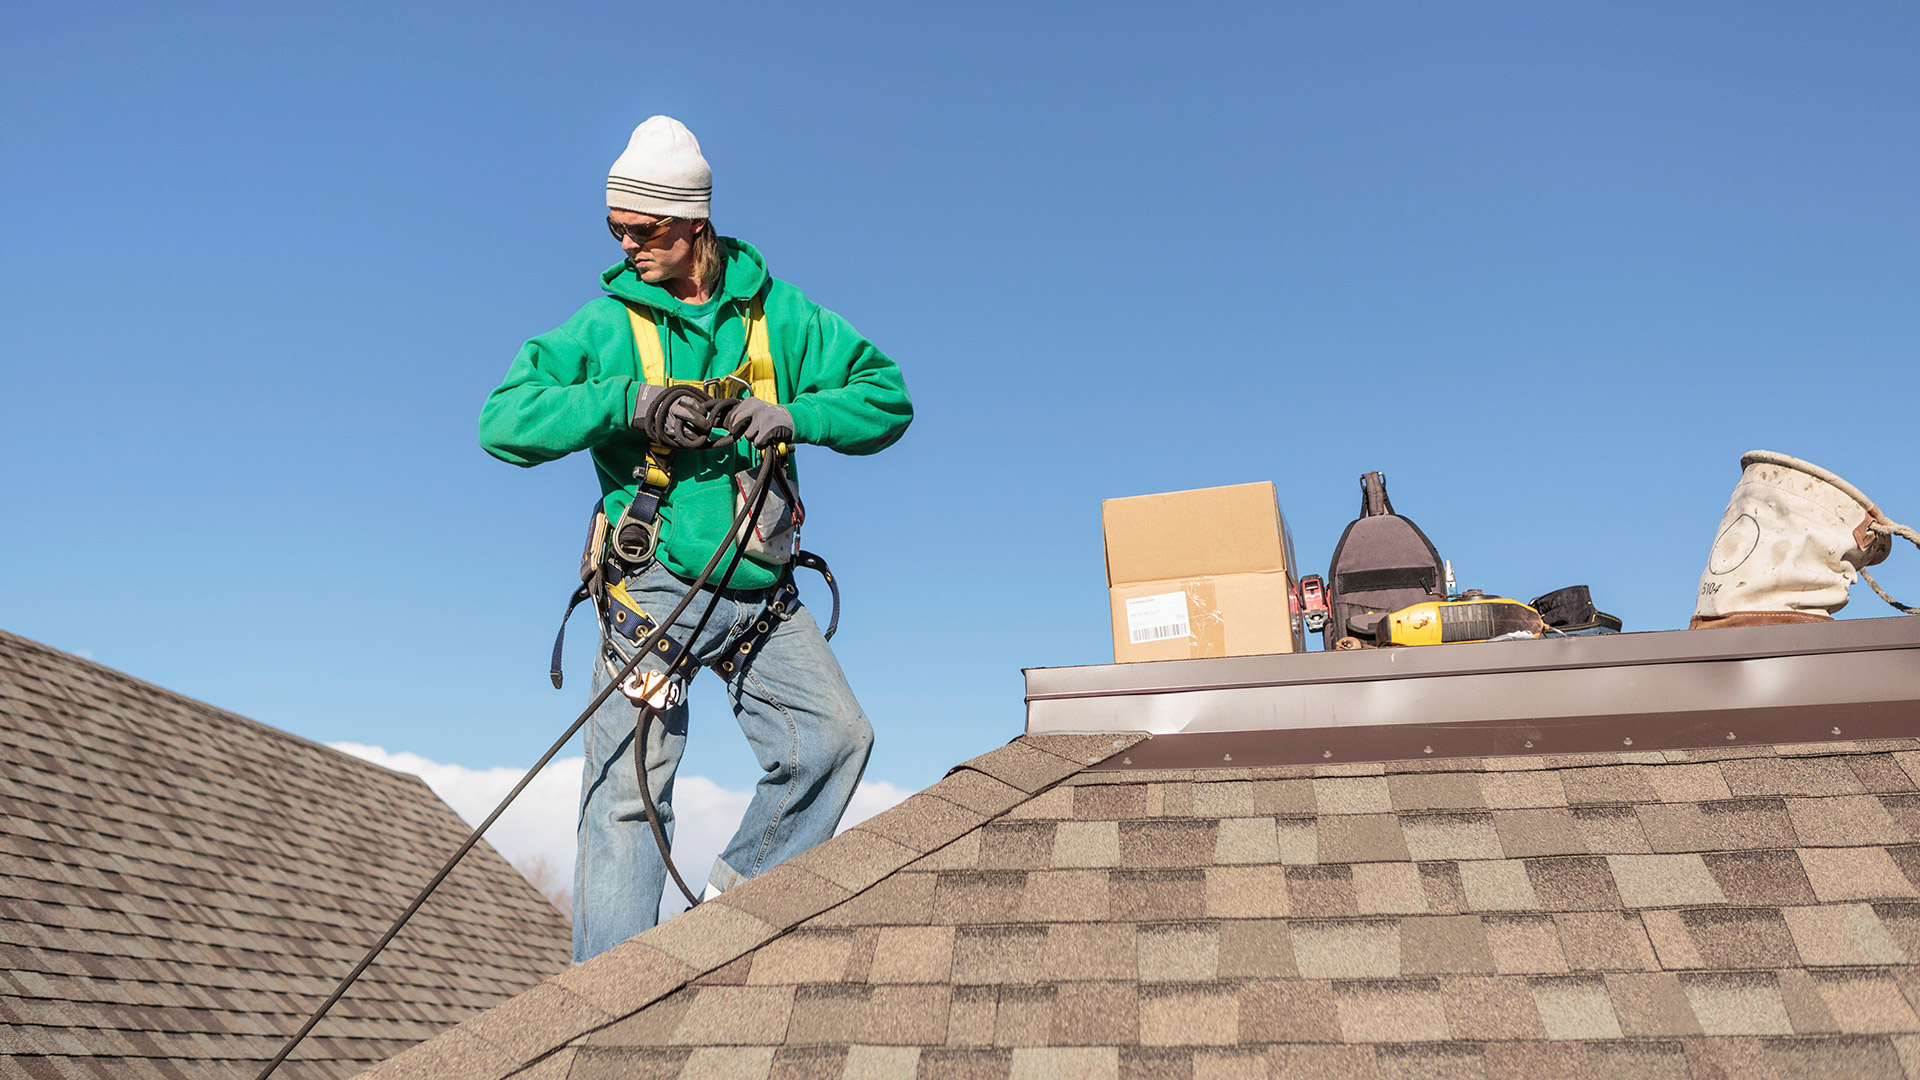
[662,172]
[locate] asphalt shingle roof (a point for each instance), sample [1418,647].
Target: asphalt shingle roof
[1748,912]
[179,886]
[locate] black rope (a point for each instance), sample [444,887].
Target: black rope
[640,653]
[648,712]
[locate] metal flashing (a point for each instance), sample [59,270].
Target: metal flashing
[1806,682]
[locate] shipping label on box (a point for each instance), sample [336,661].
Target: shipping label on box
[1200,573]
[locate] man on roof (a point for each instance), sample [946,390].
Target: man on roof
[688,306]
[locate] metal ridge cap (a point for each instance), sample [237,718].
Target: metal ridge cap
[1377,665]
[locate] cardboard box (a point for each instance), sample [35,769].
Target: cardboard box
[1200,573]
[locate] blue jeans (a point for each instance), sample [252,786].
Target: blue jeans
[800,717]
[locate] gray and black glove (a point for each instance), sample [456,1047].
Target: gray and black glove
[674,416]
[761,423]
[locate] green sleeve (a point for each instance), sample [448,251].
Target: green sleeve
[561,394]
[847,394]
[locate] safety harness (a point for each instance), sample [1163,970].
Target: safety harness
[613,554]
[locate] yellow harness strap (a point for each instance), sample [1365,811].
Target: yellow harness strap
[756,371]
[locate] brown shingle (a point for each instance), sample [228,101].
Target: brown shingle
[1246,840]
[1842,934]
[1026,1015]
[734,1015]
[978,896]
[1451,836]
[1663,880]
[808,1063]
[999,954]
[1523,790]
[1524,944]
[1016,845]
[1740,937]
[1574,1007]
[1390,1011]
[1388,889]
[1255,949]
[1346,949]
[1222,799]
[1865,1001]
[1361,838]
[1844,821]
[1854,874]
[911,954]
[903,899]
[1054,895]
[1444,944]
[1611,830]
[978,792]
[1021,766]
[1760,877]
[1113,802]
[784,895]
[1090,951]
[1317,891]
[1607,784]
[1083,749]
[1718,826]
[855,859]
[1189,1015]
[1573,883]
[1283,1011]
[1155,895]
[1352,795]
[905,1015]
[1245,892]
[1737,1003]
[1525,833]
[1650,1004]
[1697,782]
[1443,791]
[1489,1008]
[1179,952]
[1283,797]
[1086,844]
[1880,773]
[1095,1014]
[1604,941]
[922,822]
[1166,844]
[1446,893]
[1790,776]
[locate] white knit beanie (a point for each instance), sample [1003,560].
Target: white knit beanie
[661,172]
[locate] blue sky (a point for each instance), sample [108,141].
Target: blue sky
[1551,267]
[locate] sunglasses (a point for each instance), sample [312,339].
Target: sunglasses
[643,233]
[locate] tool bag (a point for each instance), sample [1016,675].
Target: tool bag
[1792,541]
[1382,564]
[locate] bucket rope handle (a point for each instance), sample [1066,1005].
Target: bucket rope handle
[1876,520]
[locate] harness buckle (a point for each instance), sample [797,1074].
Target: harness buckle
[719,388]
[656,690]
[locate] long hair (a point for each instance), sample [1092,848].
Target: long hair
[709,259]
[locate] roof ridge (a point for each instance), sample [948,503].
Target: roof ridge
[671,956]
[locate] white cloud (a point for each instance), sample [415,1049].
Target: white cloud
[537,833]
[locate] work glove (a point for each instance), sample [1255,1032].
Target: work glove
[761,423]
[673,416]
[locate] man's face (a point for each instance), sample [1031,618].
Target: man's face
[667,255]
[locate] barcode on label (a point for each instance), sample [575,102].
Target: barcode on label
[1157,617]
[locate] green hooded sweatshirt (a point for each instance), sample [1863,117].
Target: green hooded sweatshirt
[573,388]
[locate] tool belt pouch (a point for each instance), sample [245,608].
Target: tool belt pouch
[774,534]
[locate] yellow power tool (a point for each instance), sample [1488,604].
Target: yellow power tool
[1439,622]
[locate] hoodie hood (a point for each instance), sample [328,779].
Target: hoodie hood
[744,277]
